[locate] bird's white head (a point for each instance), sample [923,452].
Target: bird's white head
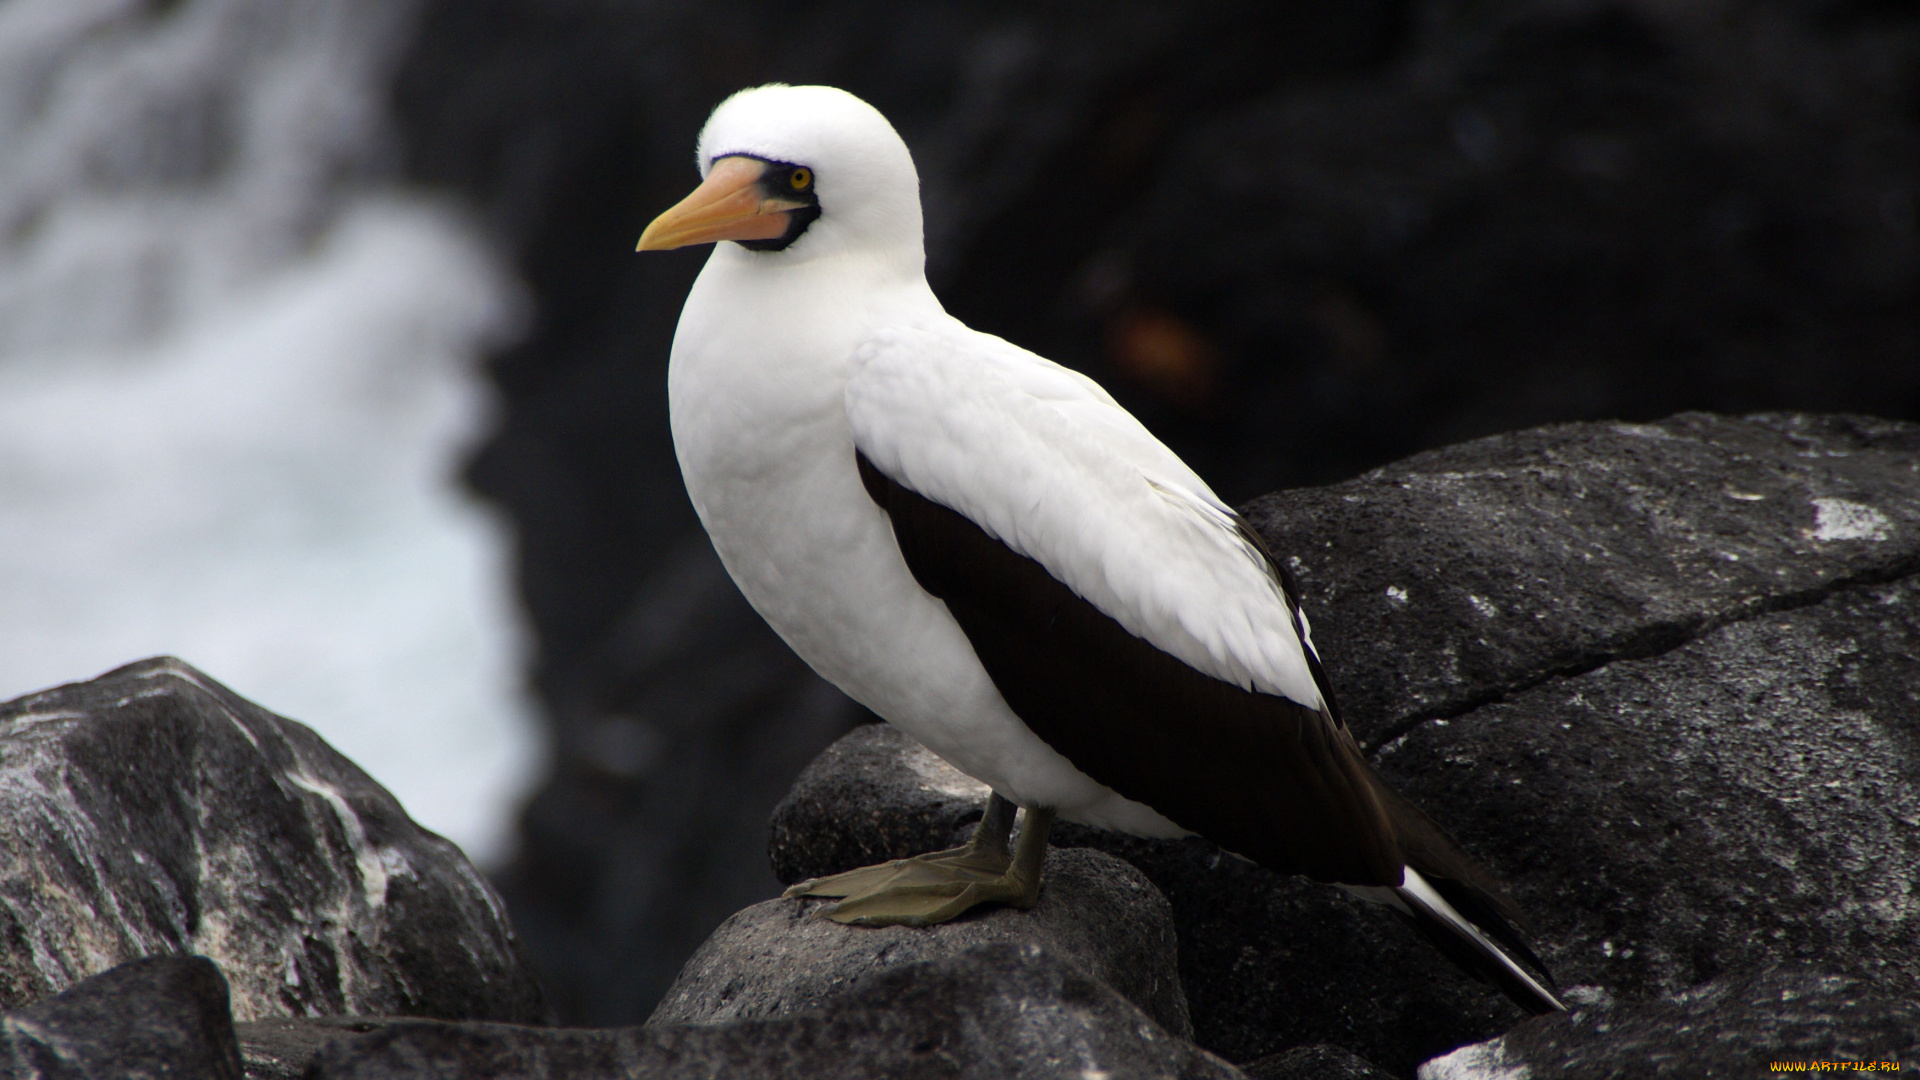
[797,173]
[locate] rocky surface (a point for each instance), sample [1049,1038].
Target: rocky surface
[163,1016]
[1733,1027]
[153,811]
[1267,962]
[1440,220]
[281,1048]
[1660,678]
[993,1011]
[1463,574]
[1317,1062]
[1096,913]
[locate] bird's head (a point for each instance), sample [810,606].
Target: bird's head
[799,170]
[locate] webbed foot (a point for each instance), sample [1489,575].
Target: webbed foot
[933,888]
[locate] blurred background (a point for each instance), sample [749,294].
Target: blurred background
[328,365]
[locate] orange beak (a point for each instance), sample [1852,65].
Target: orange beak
[729,205]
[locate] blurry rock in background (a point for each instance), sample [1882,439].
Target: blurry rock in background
[237,379]
[1299,240]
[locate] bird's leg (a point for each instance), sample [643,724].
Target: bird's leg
[933,888]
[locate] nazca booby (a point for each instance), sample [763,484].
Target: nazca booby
[985,549]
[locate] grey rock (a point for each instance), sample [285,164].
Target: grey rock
[162,1016]
[1095,912]
[282,1047]
[1733,1027]
[1660,678]
[996,1012]
[154,811]
[1320,1061]
[1459,575]
[872,796]
[1751,797]
[1266,961]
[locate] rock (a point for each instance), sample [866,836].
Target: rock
[1744,799]
[872,796]
[1738,1026]
[162,1016]
[154,811]
[1095,913]
[1682,762]
[993,1011]
[281,1048]
[1318,1062]
[1464,574]
[1265,961]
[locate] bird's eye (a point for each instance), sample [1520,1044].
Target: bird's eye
[801,179]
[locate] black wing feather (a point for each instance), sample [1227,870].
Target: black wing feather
[1258,774]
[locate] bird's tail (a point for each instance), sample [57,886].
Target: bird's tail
[1466,944]
[1453,902]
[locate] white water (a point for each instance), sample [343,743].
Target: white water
[238,373]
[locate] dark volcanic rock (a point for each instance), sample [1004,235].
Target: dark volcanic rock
[1458,575]
[1266,961]
[162,1016]
[1748,798]
[1317,1062]
[874,795]
[281,1048]
[152,810]
[1095,913]
[996,1012]
[1734,1027]
[1678,662]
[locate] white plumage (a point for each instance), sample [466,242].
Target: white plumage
[824,341]
[837,343]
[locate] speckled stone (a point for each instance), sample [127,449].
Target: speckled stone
[165,1016]
[1730,1029]
[1463,574]
[154,811]
[1319,1061]
[1095,912]
[1663,679]
[992,1012]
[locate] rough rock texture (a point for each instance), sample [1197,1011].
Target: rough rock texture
[281,1048]
[996,1012]
[1749,797]
[1318,1062]
[1458,575]
[162,1016]
[1095,913]
[152,810]
[1441,220]
[1735,1027]
[1266,961]
[872,796]
[1684,763]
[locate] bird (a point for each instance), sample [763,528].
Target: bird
[989,552]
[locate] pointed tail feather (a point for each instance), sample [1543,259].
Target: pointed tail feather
[1465,944]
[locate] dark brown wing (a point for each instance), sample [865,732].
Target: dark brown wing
[1258,774]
